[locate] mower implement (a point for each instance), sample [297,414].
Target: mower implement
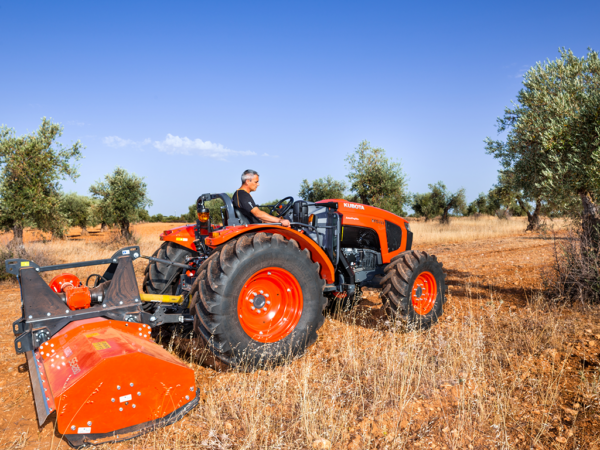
[90,353]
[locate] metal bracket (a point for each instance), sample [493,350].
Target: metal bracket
[160,317]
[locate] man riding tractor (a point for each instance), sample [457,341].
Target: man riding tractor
[257,287]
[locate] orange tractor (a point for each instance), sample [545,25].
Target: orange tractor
[254,293]
[257,292]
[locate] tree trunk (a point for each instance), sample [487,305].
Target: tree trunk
[84,231]
[533,218]
[125,230]
[17,236]
[445,220]
[103,226]
[590,220]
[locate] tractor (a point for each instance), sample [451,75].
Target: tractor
[256,295]
[258,292]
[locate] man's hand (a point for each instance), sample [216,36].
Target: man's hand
[285,222]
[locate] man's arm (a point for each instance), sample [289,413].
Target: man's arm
[261,215]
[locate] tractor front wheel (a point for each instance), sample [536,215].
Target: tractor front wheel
[162,278]
[258,300]
[414,289]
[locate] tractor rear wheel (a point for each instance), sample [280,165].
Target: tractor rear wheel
[162,278]
[414,289]
[258,300]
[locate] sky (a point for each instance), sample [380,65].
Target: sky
[190,94]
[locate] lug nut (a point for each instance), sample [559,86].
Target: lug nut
[120,409]
[139,394]
[90,423]
[133,406]
[187,397]
[73,427]
[112,400]
[131,384]
[118,388]
[268,302]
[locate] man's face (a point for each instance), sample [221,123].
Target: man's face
[253,183]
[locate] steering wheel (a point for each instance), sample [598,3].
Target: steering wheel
[280,208]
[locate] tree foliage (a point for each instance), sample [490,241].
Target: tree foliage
[377,180]
[552,145]
[322,189]
[122,197]
[31,167]
[439,202]
[78,211]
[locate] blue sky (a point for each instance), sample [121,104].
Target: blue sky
[189,94]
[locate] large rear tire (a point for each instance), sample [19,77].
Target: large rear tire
[414,289]
[258,300]
[162,278]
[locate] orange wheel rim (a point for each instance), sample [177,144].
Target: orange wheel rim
[424,293]
[270,304]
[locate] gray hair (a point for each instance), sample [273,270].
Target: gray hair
[248,175]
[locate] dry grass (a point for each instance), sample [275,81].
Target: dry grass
[487,376]
[466,229]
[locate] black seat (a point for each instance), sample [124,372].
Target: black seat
[240,215]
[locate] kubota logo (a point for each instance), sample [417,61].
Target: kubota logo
[354,206]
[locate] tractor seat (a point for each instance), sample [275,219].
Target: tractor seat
[240,215]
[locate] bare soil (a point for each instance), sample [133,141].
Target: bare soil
[539,390]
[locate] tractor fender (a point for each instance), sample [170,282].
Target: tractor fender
[317,254]
[183,236]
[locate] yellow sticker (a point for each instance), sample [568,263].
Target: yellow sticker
[89,335]
[24,263]
[101,345]
[181,239]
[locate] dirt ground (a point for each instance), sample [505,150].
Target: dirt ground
[506,271]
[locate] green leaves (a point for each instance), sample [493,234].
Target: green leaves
[122,196]
[377,180]
[322,189]
[553,140]
[31,167]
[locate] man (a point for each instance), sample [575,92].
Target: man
[243,201]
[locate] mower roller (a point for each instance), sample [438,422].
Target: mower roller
[90,353]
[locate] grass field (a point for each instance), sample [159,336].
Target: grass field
[501,369]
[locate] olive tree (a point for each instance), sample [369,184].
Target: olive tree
[322,189]
[122,196]
[552,146]
[78,211]
[31,167]
[377,180]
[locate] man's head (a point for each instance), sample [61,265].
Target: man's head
[250,180]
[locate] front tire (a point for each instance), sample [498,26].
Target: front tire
[162,278]
[414,289]
[258,300]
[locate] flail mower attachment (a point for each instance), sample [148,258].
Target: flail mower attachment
[91,357]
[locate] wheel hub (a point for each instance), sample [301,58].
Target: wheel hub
[270,304]
[424,293]
[259,301]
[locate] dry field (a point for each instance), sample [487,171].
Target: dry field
[501,369]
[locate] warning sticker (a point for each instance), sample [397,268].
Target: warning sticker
[24,263]
[74,363]
[125,398]
[68,351]
[91,335]
[84,430]
[103,345]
